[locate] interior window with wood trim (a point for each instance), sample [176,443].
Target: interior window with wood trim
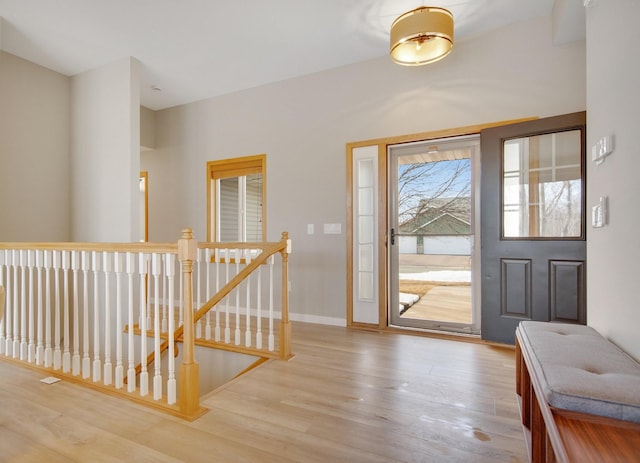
[236,199]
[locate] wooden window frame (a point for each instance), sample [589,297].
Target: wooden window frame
[234,167]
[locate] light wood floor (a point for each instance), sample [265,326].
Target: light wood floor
[347,396]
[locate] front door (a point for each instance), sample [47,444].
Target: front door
[432,230]
[533,224]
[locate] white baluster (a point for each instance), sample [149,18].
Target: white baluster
[170,260]
[156,260]
[147,292]
[198,300]
[144,375]
[131,370]
[227,328]
[75,360]
[48,351]
[31,348]
[259,310]
[207,263]
[271,336]
[40,328]
[7,339]
[23,305]
[16,304]
[237,291]
[165,303]
[86,359]
[57,353]
[247,333]
[8,309]
[66,309]
[95,267]
[107,267]
[217,329]
[118,263]
[2,320]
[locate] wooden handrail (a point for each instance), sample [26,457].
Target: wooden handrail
[145,248]
[260,259]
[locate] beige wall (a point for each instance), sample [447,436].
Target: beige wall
[34,152]
[147,129]
[613,104]
[303,125]
[105,153]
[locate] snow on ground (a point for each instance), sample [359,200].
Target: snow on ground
[408,299]
[439,275]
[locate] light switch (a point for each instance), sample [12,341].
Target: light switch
[599,213]
[332,228]
[310,229]
[601,149]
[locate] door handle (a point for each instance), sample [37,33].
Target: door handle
[393,237]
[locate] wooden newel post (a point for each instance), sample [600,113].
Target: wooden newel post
[285,324]
[189,381]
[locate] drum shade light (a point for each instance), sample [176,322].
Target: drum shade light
[421,36]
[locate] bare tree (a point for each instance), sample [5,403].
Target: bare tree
[437,187]
[560,209]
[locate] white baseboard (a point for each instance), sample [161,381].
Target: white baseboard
[317,319]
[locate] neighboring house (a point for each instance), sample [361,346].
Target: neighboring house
[440,227]
[70,147]
[440,216]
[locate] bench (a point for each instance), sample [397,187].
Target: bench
[579,395]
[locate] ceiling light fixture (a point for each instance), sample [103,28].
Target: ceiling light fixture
[421,36]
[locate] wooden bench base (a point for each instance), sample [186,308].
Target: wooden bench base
[554,435]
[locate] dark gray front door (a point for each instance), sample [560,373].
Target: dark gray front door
[533,224]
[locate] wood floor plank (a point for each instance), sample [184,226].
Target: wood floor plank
[346,396]
[188,443]
[74,439]
[17,447]
[398,443]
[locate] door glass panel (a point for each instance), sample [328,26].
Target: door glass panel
[542,186]
[432,229]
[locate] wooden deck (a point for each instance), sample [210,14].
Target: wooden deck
[443,303]
[346,396]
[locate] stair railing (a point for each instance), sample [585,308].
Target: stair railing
[88,312]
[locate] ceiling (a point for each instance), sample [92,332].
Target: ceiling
[195,49]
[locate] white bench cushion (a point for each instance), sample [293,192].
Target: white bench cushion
[582,371]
